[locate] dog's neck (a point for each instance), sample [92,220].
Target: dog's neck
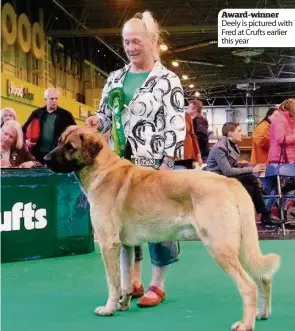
[88,175]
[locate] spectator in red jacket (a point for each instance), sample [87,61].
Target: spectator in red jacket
[191,147]
[282,134]
[200,125]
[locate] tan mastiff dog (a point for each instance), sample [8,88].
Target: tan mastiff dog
[130,205]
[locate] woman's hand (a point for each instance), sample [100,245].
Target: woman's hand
[4,164]
[28,164]
[199,159]
[29,145]
[92,122]
[259,168]
[243,162]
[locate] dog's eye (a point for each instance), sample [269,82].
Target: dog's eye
[70,147]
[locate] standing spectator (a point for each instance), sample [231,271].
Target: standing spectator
[200,125]
[282,134]
[191,147]
[7,113]
[45,125]
[13,153]
[261,142]
[150,127]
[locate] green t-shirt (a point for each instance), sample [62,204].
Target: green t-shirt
[47,137]
[131,83]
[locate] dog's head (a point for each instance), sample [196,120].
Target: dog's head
[77,148]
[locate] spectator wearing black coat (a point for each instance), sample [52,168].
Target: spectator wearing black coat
[45,125]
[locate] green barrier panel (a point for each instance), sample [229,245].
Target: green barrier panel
[43,214]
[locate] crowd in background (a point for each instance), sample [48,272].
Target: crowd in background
[273,139]
[25,146]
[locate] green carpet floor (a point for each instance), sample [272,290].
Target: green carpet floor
[60,295]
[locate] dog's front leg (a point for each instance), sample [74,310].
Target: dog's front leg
[111,253]
[126,266]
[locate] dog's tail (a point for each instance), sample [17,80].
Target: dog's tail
[258,265]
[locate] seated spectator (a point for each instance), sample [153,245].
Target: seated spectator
[224,159]
[282,134]
[45,125]
[7,113]
[261,142]
[191,148]
[13,153]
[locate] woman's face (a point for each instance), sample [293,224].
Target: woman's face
[291,107]
[274,114]
[191,108]
[7,116]
[237,134]
[8,137]
[137,45]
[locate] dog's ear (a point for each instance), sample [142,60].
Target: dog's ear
[91,146]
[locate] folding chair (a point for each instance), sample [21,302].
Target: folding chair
[279,171]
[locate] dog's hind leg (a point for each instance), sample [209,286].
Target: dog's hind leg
[110,251]
[260,267]
[264,298]
[126,266]
[219,230]
[229,262]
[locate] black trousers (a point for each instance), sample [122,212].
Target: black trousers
[251,184]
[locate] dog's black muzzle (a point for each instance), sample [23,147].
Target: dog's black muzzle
[56,161]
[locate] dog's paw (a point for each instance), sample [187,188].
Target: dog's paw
[263,315]
[104,311]
[124,302]
[123,306]
[240,326]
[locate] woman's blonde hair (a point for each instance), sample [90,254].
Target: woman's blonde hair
[7,110]
[288,105]
[19,140]
[152,28]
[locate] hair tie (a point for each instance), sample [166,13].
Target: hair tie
[138,15]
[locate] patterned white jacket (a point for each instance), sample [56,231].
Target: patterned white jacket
[154,120]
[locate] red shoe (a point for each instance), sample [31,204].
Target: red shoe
[137,292]
[145,301]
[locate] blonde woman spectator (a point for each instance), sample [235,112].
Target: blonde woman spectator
[7,113]
[12,152]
